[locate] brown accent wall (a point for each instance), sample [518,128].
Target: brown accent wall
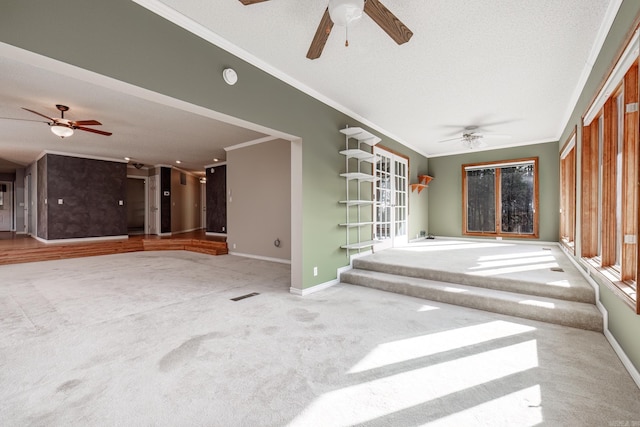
[41,202]
[81,198]
[165,200]
[217,199]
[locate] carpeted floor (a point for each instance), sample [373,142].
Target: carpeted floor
[153,338]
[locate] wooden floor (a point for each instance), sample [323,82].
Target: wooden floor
[19,248]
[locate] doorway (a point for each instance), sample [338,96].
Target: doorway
[136,205]
[6,206]
[391,209]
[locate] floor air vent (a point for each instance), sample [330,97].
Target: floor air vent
[557,269]
[252,294]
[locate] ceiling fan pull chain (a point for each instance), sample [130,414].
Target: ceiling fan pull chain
[346,35]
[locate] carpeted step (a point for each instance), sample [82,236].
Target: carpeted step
[568,313]
[568,292]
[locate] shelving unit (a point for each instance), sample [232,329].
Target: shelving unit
[359,161]
[422,184]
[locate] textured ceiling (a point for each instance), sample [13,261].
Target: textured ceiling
[509,67]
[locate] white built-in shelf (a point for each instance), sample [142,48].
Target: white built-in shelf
[357,202]
[361,135]
[356,153]
[359,176]
[356,224]
[358,145]
[360,245]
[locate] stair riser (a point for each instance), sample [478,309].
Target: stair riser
[544,314]
[497,283]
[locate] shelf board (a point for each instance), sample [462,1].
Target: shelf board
[361,135]
[359,176]
[356,153]
[356,224]
[419,187]
[357,202]
[425,179]
[360,245]
[422,184]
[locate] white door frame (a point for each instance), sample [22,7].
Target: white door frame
[392,199]
[27,204]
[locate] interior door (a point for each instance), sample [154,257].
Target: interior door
[6,206]
[391,209]
[153,195]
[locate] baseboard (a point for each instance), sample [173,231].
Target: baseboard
[524,241]
[82,239]
[322,286]
[313,289]
[263,258]
[629,366]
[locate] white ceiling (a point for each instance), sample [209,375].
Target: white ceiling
[509,67]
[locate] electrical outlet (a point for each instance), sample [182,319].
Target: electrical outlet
[315,271]
[234,246]
[60,201]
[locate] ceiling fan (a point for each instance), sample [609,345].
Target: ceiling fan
[345,12]
[472,138]
[64,127]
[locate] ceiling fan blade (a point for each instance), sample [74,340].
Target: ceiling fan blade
[100,132]
[387,21]
[41,115]
[495,135]
[87,123]
[23,120]
[248,2]
[322,34]
[450,139]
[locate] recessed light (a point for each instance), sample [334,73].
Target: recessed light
[127,159]
[216,160]
[178,161]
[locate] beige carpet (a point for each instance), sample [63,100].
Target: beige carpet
[531,281]
[152,338]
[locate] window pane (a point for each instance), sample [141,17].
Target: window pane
[516,187]
[481,202]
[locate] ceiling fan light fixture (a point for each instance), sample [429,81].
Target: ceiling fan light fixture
[471,140]
[61,130]
[345,12]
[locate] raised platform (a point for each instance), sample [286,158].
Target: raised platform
[524,280]
[25,249]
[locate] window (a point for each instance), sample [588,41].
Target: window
[500,198]
[568,194]
[609,168]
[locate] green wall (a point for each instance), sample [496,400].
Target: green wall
[123,40]
[623,323]
[445,191]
